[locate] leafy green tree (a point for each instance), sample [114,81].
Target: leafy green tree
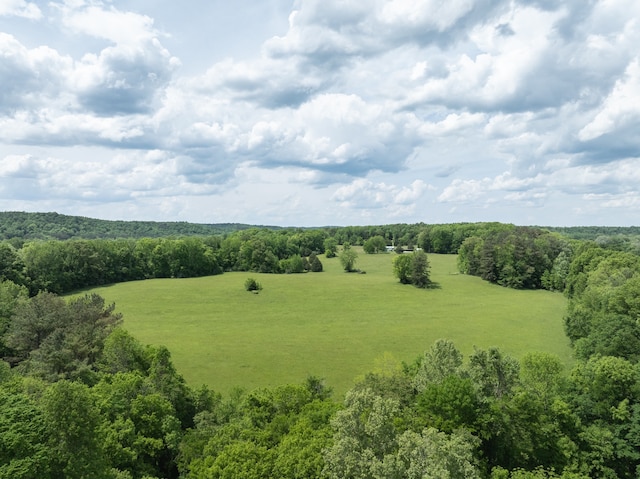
[165,380]
[294,264]
[375,244]
[24,451]
[348,258]
[449,404]
[59,340]
[542,374]
[123,353]
[10,264]
[469,256]
[299,454]
[495,374]
[402,266]
[611,335]
[442,360]
[431,454]
[364,433]
[413,269]
[602,383]
[330,247]
[73,431]
[251,284]
[420,275]
[11,295]
[34,321]
[315,265]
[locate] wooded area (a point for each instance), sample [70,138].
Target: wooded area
[80,397]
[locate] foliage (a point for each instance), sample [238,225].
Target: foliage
[45,226]
[402,265]
[520,257]
[129,414]
[439,362]
[375,244]
[420,270]
[413,269]
[330,247]
[251,284]
[348,258]
[315,265]
[54,339]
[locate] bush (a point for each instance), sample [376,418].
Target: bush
[252,285]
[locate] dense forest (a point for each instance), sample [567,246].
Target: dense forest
[80,397]
[29,226]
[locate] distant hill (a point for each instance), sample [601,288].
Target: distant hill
[26,226]
[594,232]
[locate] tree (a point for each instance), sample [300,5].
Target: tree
[432,454]
[450,404]
[495,374]
[11,295]
[375,244]
[442,359]
[72,423]
[293,264]
[420,269]
[24,452]
[412,269]
[402,265]
[252,285]
[330,247]
[59,340]
[315,265]
[348,258]
[365,432]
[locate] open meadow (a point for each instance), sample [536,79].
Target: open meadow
[332,324]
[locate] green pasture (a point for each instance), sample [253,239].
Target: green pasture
[331,324]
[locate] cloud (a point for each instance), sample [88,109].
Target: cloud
[266,83]
[365,194]
[336,133]
[123,79]
[18,166]
[111,24]
[620,108]
[29,77]
[332,33]
[20,8]
[464,191]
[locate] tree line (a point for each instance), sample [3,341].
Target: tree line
[19,226]
[64,266]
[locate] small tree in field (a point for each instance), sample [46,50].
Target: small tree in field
[412,269]
[252,285]
[402,268]
[420,270]
[348,258]
[315,265]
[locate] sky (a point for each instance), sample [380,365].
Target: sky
[322,112]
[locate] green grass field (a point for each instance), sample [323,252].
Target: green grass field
[332,324]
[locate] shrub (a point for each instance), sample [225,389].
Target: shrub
[252,285]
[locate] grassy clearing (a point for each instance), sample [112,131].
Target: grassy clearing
[331,324]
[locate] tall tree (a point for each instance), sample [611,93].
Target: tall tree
[348,258]
[420,275]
